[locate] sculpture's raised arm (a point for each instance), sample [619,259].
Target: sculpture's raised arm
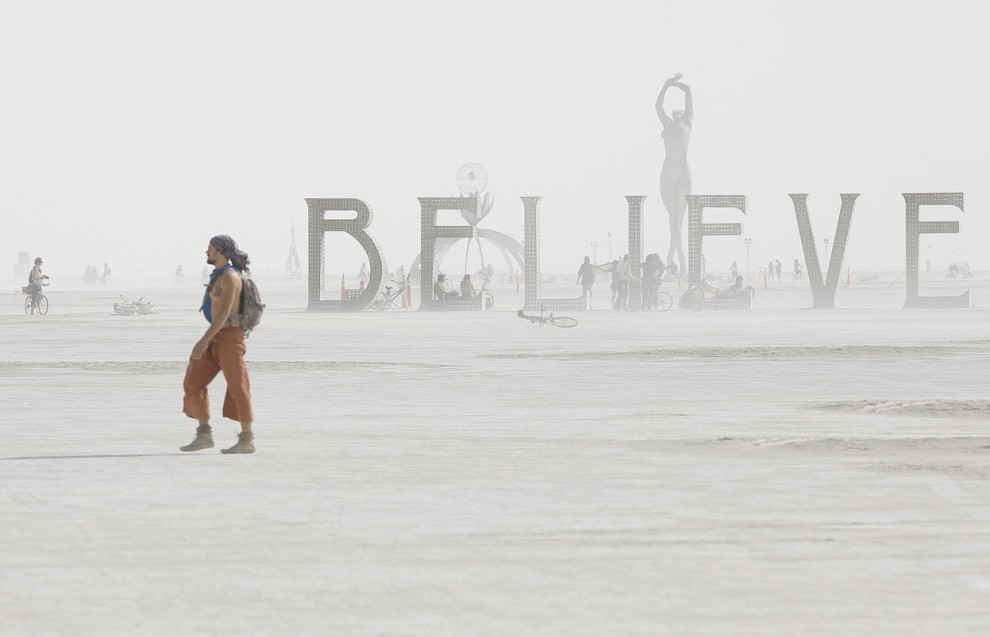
[664,118]
[688,99]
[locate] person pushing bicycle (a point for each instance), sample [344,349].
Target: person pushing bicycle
[35,282]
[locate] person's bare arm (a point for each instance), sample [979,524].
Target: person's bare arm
[222,308]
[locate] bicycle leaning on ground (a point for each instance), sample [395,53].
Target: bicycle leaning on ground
[556,321]
[30,304]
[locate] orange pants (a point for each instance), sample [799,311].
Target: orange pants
[226,354]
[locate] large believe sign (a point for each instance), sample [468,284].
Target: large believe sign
[823,289]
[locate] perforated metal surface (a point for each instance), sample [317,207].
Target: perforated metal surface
[635,203]
[531,246]
[319,225]
[914,228]
[823,291]
[430,232]
[697,229]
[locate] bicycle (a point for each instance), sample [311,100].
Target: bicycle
[29,302]
[664,301]
[488,297]
[556,321]
[387,300]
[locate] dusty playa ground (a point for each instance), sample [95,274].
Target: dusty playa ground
[774,472]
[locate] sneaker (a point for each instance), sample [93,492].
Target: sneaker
[203,440]
[245,444]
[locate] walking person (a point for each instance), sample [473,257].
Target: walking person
[221,349]
[586,279]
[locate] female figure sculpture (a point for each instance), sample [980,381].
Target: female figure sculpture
[675,177]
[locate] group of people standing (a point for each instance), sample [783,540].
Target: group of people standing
[653,269]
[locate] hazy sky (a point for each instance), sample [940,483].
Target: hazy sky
[131,132]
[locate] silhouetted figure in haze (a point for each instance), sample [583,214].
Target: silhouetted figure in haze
[625,281]
[652,269]
[675,177]
[612,267]
[441,289]
[586,279]
[467,288]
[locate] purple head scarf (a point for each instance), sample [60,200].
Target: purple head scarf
[228,248]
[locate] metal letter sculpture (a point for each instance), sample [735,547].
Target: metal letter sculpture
[823,292]
[531,244]
[697,229]
[635,203]
[319,225]
[510,249]
[430,232]
[913,202]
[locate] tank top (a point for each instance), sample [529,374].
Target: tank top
[207,301]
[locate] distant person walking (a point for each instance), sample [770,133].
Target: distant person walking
[586,279]
[105,277]
[221,349]
[777,268]
[798,272]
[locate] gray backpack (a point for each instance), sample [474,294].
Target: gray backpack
[251,306]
